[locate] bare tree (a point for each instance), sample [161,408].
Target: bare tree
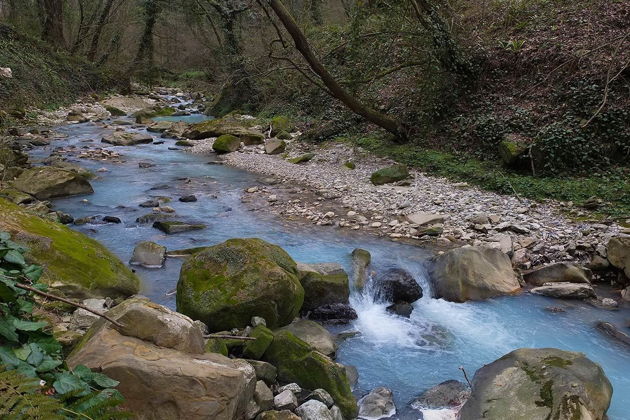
[152,9]
[387,122]
[96,36]
[52,12]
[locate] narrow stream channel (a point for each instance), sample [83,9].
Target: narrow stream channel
[405,355]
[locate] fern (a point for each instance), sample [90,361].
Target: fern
[101,405]
[20,399]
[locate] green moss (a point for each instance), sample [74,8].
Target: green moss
[350,165]
[303,158]
[74,263]
[557,362]
[281,123]
[215,345]
[390,174]
[297,362]
[255,349]
[546,395]
[116,112]
[283,135]
[322,289]
[226,143]
[184,143]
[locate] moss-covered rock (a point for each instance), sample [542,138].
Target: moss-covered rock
[12,157]
[281,123]
[145,116]
[16,196]
[123,138]
[283,135]
[255,349]
[226,143]
[298,362]
[323,287]
[226,125]
[275,146]
[303,158]
[215,345]
[49,182]
[226,284]
[512,149]
[116,112]
[172,227]
[390,174]
[75,264]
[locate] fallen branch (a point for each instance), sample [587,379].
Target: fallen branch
[69,302]
[465,376]
[229,337]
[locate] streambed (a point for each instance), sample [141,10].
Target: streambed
[405,355]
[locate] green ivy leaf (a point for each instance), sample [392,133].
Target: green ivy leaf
[33,272]
[104,381]
[5,236]
[23,325]
[37,355]
[7,329]
[68,383]
[48,364]
[23,352]
[25,305]
[14,257]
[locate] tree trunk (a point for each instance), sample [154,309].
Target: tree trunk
[334,88]
[99,29]
[316,12]
[53,22]
[145,50]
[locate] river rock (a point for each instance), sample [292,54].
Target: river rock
[448,394]
[336,313]
[76,265]
[219,127]
[157,358]
[614,332]
[361,260]
[323,284]
[275,146]
[422,219]
[264,371]
[390,174]
[263,396]
[123,138]
[256,348]
[313,334]
[619,253]
[172,227]
[558,273]
[403,309]
[148,254]
[50,182]
[226,143]
[565,290]
[298,362]
[159,126]
[539,384]
[188,198]
[277,415]
[313,410]
[285,400]
[306,157]
[471,273]
[323,396]
[227,284]
[378,404]
[397,286]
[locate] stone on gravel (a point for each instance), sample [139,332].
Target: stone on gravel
[49,182]
[226,143]
[302,159]
[422,219]
[470,273]
[390,174]
[177,227]
[539,384]
[275,146]
[558,273]
[378,404]
[565,290]
[148,254]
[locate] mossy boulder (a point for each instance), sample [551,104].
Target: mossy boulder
[303,158]
[283,135]
[123,138]
[281,123]
[172,227]
[16,196]
[145,116]
[116,112]
[226,143]
[227,125]
[298,362]
[216,345]
[390,174]
[227,284]
[255,349]
[512,149]
[275,146]
[12,157]
[323,286]
[49,182]
[539,384]
[75,264]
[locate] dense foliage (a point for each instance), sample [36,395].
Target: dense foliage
[34,381]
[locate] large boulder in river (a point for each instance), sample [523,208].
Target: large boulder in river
[390,174]
[396,286]
[619,253]
[227,284]
[323,284]
[558,273]
[49,182]
[157,356]
[74,264]
[539,384]
[471,273]
[123,138]
[219,127]
[298,362]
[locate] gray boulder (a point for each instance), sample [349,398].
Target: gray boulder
[397,286]
[558,273]
[148,254]
[539,384]
[314,410]
[471,273]
[50,182]
[324,284]
[619,253]
[285,400]
[313,334]
[378,404]
[565,290]
[275,146]
[445,395]
[122,138]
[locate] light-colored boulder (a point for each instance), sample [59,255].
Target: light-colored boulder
[471,273]
[531,384]
[285,400]
[82,319]
[263,396]
[448,394]
[422,219]
[148,254]
[123,138]
[324,283]
[378,404]
[275,146]
[619,253]
[361,260]
[47,182]
[313,410]
[565,290]
[313,334]
[558,273]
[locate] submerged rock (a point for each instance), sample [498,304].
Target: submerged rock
[75,264]
[473,274]
[614,332]
[539,384]
[158,359]
[378,404]
[402,309]
[397,286]
[558,273]
[171,228]
[148,254]
[50,182]
[227,284]
[565,290]
[298,362]
[390,174]
[314,335]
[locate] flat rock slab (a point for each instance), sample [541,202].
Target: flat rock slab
[421,219]
[177,227]
[565,290]
[120,138]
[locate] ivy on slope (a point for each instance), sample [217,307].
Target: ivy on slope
[34,380]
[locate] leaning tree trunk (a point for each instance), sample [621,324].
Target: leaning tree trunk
[145,50]
[99,29]
[387,122]
[53,22]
